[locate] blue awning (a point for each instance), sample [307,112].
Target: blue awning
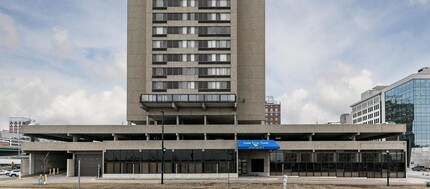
[257,145]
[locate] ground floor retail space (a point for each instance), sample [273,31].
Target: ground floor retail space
[222,163]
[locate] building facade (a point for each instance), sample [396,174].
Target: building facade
[195,83]
[15,123]
[198,61]
[406,101]
[369,109]
[273,111]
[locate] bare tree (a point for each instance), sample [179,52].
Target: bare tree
[44,162]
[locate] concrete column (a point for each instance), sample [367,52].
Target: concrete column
[147,120]
[177,119]
[205,120]
[398,138]
[155,122]
[115,137]
[353,138]
[268,136]
[310,137]
[75,139]
[177,136]
[147,136]
[31,160]
[235,119]
[235,136]
[206,137]
[70,168]
[262,122]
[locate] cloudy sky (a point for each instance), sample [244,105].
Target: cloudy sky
[64,62]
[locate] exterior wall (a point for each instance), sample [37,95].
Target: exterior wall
[420,156]
[273,114]
[256,154]
[171,176]
[251,60]
[25,165]
[136,56]
[368,111]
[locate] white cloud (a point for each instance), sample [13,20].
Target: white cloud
[61,40]
[329,97]
[53,99]
[9,37]
[419,2]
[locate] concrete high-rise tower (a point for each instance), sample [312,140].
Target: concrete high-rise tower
[199,61]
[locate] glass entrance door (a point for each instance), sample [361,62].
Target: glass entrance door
[243,167]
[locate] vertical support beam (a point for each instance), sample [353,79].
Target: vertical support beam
[115,137]
[235,119]
[177,136]
[310,137]
[398,138]
[205,119]
[147,136]
[31,160]
[206,136]
[235,136]
[268,136]
[147,120]
[75,139]
[177,119]
[353,137]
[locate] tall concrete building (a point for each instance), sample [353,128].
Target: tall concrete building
[199,61]
[202,64]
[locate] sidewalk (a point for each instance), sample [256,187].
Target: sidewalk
[291,180]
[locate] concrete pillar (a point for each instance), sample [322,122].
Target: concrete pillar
[75,139]
[147,120]
[206,137]
[235,119]
[177,119]
[147,136]
[70,168]
[353,137]
[235,136]
[205,120]
[268,136]
[31,160]
[310,137]
[177,136]
[262,122]
[155,122]
[115,137]
[398,138]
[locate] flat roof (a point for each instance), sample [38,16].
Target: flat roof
[291,132]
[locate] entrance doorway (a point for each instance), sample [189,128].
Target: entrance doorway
[243,167]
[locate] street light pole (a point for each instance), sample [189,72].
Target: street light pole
[162,147]
[388,168]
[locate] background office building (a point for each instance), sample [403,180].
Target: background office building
[406,101]
[202,64]
[273,111]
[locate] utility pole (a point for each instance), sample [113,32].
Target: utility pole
[162,147]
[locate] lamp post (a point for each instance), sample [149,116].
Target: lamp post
[162,147]
[388,168]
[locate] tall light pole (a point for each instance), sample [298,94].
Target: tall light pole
[162,147]
[388,168]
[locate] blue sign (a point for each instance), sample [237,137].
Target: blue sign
[257,145]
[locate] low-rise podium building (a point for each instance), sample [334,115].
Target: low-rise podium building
[218,151]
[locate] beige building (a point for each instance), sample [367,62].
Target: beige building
[201,62]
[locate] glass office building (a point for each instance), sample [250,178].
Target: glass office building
[409,103]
